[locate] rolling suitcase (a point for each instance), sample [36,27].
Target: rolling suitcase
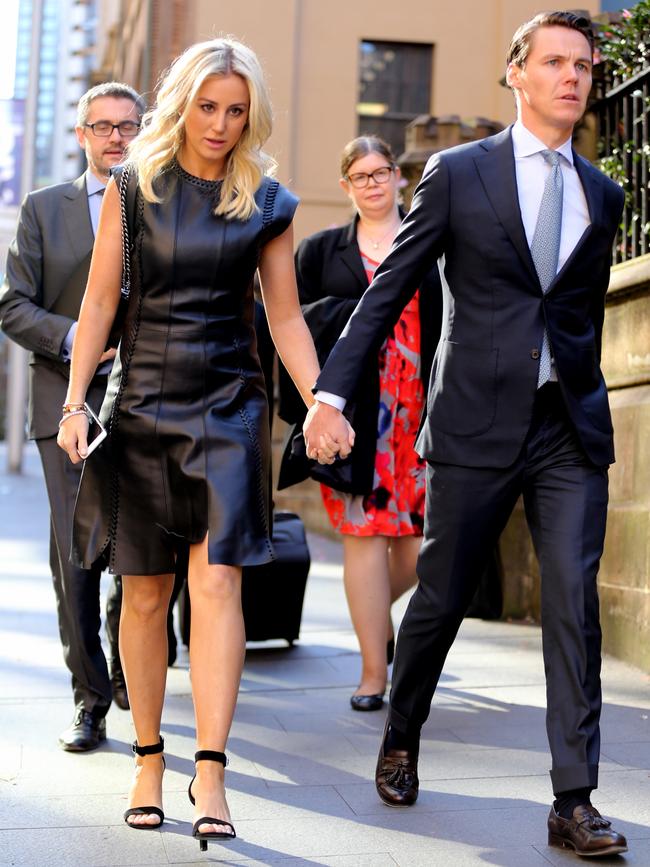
[272,594]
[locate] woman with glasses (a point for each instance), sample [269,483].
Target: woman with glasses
[377,502]
[186,461]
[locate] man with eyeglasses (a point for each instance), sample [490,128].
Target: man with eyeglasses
[47,268]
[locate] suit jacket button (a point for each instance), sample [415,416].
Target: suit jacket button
[534,353]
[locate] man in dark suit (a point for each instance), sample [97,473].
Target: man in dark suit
[46,274]
[517,404]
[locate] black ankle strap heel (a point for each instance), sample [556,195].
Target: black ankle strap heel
[204,836]
[211,756]
[147,750]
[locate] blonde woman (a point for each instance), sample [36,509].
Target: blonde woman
[186,462]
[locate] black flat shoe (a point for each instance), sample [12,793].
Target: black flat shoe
[367,702]
[85,732]
[118,687]
[204,836]
[151,750]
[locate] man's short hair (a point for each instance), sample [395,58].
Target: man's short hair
[521,41]
[116,89]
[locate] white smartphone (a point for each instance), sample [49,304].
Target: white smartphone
[96,431]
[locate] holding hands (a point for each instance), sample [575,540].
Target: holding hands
[327,433]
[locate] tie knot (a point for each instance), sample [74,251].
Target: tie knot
[551,157]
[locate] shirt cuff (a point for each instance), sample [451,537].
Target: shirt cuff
[334,400]
[66,349]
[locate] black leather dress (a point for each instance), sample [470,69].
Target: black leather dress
[188,450]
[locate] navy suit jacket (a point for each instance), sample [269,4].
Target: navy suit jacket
[484,376]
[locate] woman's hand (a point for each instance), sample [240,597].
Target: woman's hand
[327,433]
[73,436]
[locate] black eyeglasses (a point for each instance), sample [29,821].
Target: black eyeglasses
[104,128]
[359,180]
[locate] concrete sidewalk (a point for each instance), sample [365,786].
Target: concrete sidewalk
[300,782]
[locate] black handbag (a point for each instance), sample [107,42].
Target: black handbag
[337,475]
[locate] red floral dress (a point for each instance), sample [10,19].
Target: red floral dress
[395,507]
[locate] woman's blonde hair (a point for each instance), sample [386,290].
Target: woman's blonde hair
[164,127]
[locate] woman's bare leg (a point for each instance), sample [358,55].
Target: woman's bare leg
[143,650]
[402,559]
[217,648]
[367,587]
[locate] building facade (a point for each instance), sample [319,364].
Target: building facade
[335,70]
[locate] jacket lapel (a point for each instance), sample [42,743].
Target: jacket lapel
[593,189]
[496,168]
[350,255]
[592,185]
[77,218]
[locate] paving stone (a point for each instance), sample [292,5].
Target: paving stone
[100,846]
[638,855]
[300,783]
[468,856]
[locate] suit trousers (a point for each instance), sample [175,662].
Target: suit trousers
[565,499]
[77,590]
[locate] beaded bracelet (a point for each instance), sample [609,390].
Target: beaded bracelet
[72,407]
[70,413]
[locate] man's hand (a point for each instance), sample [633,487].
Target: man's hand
[327,433]
[107,355]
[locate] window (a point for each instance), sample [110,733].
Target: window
[394,87]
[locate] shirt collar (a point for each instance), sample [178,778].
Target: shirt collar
[93,184]
[525,144]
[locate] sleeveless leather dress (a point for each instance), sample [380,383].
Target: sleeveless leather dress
[188,446]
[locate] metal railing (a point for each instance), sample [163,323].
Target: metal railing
[622,109]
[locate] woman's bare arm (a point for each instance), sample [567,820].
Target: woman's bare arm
[96,317]
[290,333]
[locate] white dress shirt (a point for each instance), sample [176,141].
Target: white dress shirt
[531,172]
[95,193]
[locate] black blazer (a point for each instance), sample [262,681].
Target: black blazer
[331,280]
[484,375]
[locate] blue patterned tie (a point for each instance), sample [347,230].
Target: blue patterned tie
[545,246]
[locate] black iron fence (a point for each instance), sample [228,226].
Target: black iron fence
[622,110]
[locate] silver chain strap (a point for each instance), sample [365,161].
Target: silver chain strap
[125,288]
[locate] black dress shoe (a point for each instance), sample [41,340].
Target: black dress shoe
[118,687]
[85,733]
[587,833]
[367,702]
[396,777]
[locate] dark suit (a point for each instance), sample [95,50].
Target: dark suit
[47,269]
[331,280]
[490,435]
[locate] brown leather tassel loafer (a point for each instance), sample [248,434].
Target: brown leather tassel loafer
[396,777]
[587,833]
